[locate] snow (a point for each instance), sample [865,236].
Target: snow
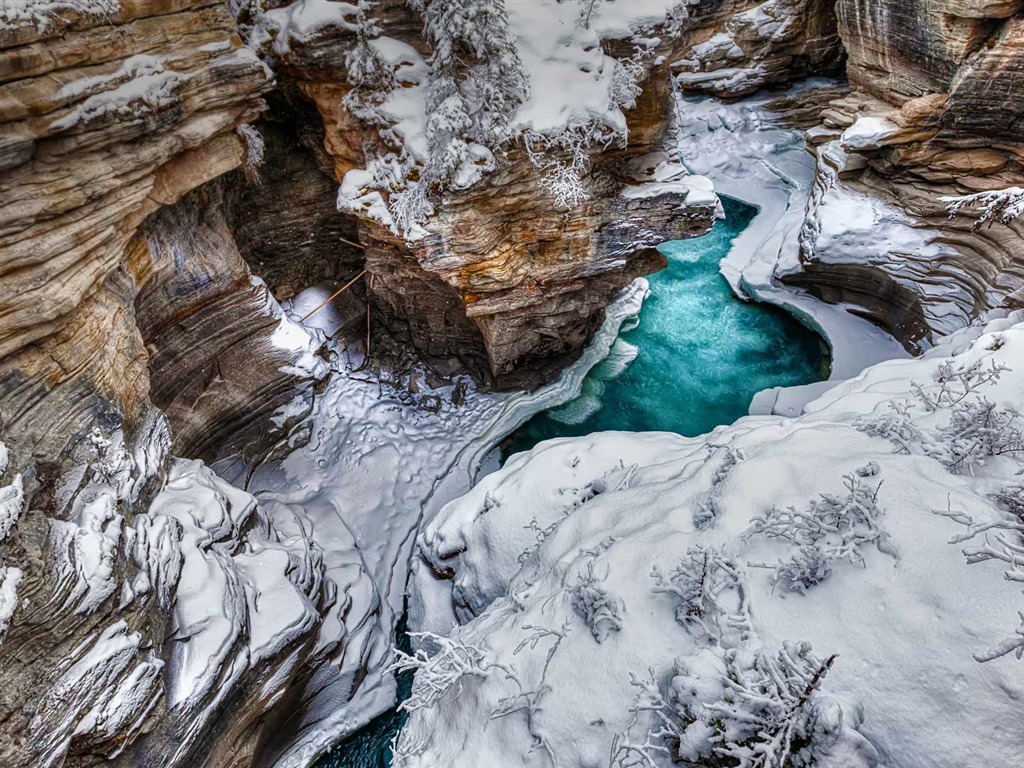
[303,19]
[868,132]
[845,225]
[696,190]
[743,41]
[1003,205]
[572,94]
[906,619]
[43,13]
[143,85]
[751,157]
[377,465]
[10,577]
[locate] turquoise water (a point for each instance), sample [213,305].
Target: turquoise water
[697,356]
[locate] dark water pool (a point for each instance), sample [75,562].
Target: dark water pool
[370,746]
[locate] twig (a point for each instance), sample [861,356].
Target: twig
[368,300]
[332,297]
[354,245]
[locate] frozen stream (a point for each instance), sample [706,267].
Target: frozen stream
[693,360]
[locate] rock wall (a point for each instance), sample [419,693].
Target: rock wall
[753,45]
[130,326]
[503,283]
[932,115]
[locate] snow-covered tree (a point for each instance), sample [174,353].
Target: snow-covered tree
[372,78]
[477,82]
[770,714]
[440,671]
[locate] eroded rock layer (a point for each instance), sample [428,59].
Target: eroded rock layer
[932,118]
[119,298]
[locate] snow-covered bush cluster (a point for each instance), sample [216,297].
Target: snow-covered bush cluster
[438,671]
[758,709]
[1002,205]
[710,595]
[767,712]
[711,661]
[975,428]
[599,609]
[831,529]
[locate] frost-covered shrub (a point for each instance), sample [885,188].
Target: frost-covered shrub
[768,713]
[832,528]
[592,602]
[954,384]
[804,568]
[255,151]
[1002,540]
[711,597]
[439,672]
[1011,498]
[743,709]
[1002,205]
[898,426]
[707,507]
[976,428]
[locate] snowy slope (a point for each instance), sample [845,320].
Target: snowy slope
[608,586]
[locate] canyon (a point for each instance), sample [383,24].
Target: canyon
[213,491]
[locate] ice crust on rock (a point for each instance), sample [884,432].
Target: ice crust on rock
[377,465]
[904,617]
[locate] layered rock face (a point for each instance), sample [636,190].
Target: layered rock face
[502,280]
[759,44]
[124,298]
[932,115]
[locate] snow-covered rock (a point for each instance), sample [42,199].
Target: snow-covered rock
[722,554]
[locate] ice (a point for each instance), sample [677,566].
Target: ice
[752,157]
[868,133]
[377,465]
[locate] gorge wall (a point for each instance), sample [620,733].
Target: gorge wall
[933,115]
[144,252]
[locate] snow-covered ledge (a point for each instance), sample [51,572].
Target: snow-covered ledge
[649,599]
[749,155]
